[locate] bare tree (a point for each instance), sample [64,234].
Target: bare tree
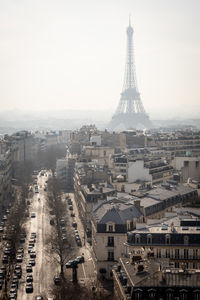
[71,291]
[61,246]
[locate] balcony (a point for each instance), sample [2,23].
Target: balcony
[184,258]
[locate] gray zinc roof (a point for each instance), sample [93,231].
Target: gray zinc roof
[115,211]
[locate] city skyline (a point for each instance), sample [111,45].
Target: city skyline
[70,56]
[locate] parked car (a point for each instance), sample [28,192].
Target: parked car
[74,224]
[19,258]
[29,287]
[7,251]
[32,254]
[32,261]
[4,218]
[70,207]
[78,242]
[29,269]
[29,278]
[33,215]
[30,248]
[52,222]
[5,259]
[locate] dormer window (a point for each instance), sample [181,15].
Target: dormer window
[167,239]
[137,239]
[149,239]
[110,227]
[186,240]
[128,225]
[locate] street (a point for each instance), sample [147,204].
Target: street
[46,267]
[86,271]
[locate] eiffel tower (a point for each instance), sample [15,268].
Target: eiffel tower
[130,113]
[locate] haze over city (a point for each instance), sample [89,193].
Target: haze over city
[99,150]
[70,55]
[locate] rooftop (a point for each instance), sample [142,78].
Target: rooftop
[153,276]
[115,211]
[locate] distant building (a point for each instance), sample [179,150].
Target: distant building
[142,167]
[188,166]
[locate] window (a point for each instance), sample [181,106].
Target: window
[197,164]
[137,239]
[167,253]
[183,294]
[111,241]
[176,253]
[167,239]
[110,228]
[176,265]
[152,294]
[138,294]
[159,253]
[185,253]
[128,225]
[186,163]
[110,255]
[196,295]
[149,239]
[186,240]
[170,294]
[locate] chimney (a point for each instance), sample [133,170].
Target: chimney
[137,204]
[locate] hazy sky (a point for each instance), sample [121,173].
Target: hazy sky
[70,54]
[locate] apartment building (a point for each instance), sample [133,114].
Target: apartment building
[147,279]
[142,167]
[5,179]
[122,213]
[111,220]
[91,186]
[180,245]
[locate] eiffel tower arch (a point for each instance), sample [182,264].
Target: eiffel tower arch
[130,113]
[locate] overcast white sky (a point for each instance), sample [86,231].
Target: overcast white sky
[70,54]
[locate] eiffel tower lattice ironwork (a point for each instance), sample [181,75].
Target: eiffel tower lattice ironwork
[130,112]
